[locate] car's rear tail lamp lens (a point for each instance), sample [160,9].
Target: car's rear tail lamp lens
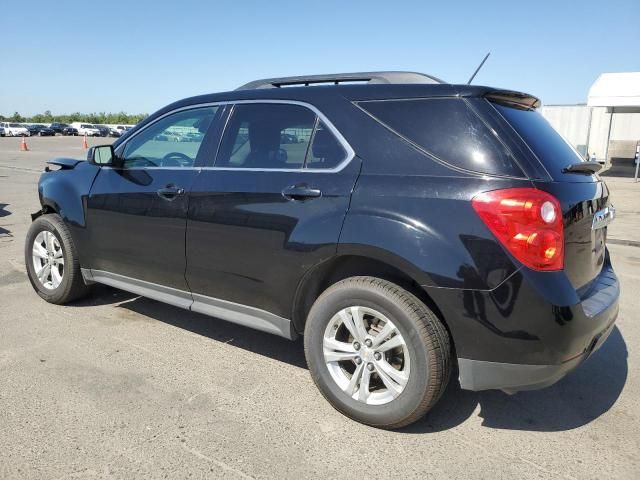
[528,222]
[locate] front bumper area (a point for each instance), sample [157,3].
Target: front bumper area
[513,377]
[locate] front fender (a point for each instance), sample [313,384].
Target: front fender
[65,192]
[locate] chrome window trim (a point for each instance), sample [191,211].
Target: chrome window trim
[350,153]
[109,167]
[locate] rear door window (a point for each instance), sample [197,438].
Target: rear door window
[267,136]
[447,129]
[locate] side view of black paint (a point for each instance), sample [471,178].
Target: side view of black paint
[406,227]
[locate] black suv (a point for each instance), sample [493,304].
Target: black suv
[58,127]
[414,227]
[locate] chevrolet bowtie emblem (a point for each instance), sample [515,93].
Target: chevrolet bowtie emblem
[603,217]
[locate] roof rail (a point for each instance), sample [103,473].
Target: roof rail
[338,78]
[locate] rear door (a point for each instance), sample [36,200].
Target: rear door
[270,208]
[584,197]
[136,213]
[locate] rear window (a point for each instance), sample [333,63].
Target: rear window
[447,129]
[549,146]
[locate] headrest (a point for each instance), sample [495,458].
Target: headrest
[263,136]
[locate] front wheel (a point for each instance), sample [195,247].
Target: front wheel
[52,262]
[376,352]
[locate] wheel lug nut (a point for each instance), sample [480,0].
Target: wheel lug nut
[370,367]
[367,342]
[356,345]
[358,360]
[377,355]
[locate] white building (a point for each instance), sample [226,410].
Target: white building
[608,126]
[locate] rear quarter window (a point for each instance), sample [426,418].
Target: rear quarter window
[447,129]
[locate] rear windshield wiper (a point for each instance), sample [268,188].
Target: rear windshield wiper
[583,167]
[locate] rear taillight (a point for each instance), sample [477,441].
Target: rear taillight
[528,222]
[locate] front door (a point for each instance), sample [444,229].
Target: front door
[136,212]
[271,208]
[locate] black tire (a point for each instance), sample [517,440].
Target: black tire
[72,286]
[426,338]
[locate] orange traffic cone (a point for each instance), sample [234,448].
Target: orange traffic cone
[23,145]
[84,141]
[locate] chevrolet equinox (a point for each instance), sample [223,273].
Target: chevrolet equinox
[406,227]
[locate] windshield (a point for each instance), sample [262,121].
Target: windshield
[15,125]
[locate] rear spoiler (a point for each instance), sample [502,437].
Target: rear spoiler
[513,99]
[583,167]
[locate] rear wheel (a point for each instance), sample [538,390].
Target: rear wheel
[376,352]
[52,262]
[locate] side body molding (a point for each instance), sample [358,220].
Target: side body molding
[232,312]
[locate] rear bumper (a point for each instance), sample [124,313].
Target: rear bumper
[531,330]
[513,377]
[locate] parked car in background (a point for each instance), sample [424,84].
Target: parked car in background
[41,130]
[12,129]
[86,129]
[58,127]
[126,130]
[69,131]
[193,137]
[2,134]
[114,132]
[287,138]
[104,130]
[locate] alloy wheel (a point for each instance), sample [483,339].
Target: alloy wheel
[366,355]
[48,260]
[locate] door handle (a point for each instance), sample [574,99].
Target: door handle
[170,192]
[300,192]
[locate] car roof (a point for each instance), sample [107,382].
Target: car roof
[313,94]
[319,89]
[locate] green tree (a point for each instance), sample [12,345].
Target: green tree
[100,117]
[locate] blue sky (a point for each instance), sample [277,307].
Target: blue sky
[137,56]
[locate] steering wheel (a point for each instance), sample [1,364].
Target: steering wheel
[176,159]
[139,162]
